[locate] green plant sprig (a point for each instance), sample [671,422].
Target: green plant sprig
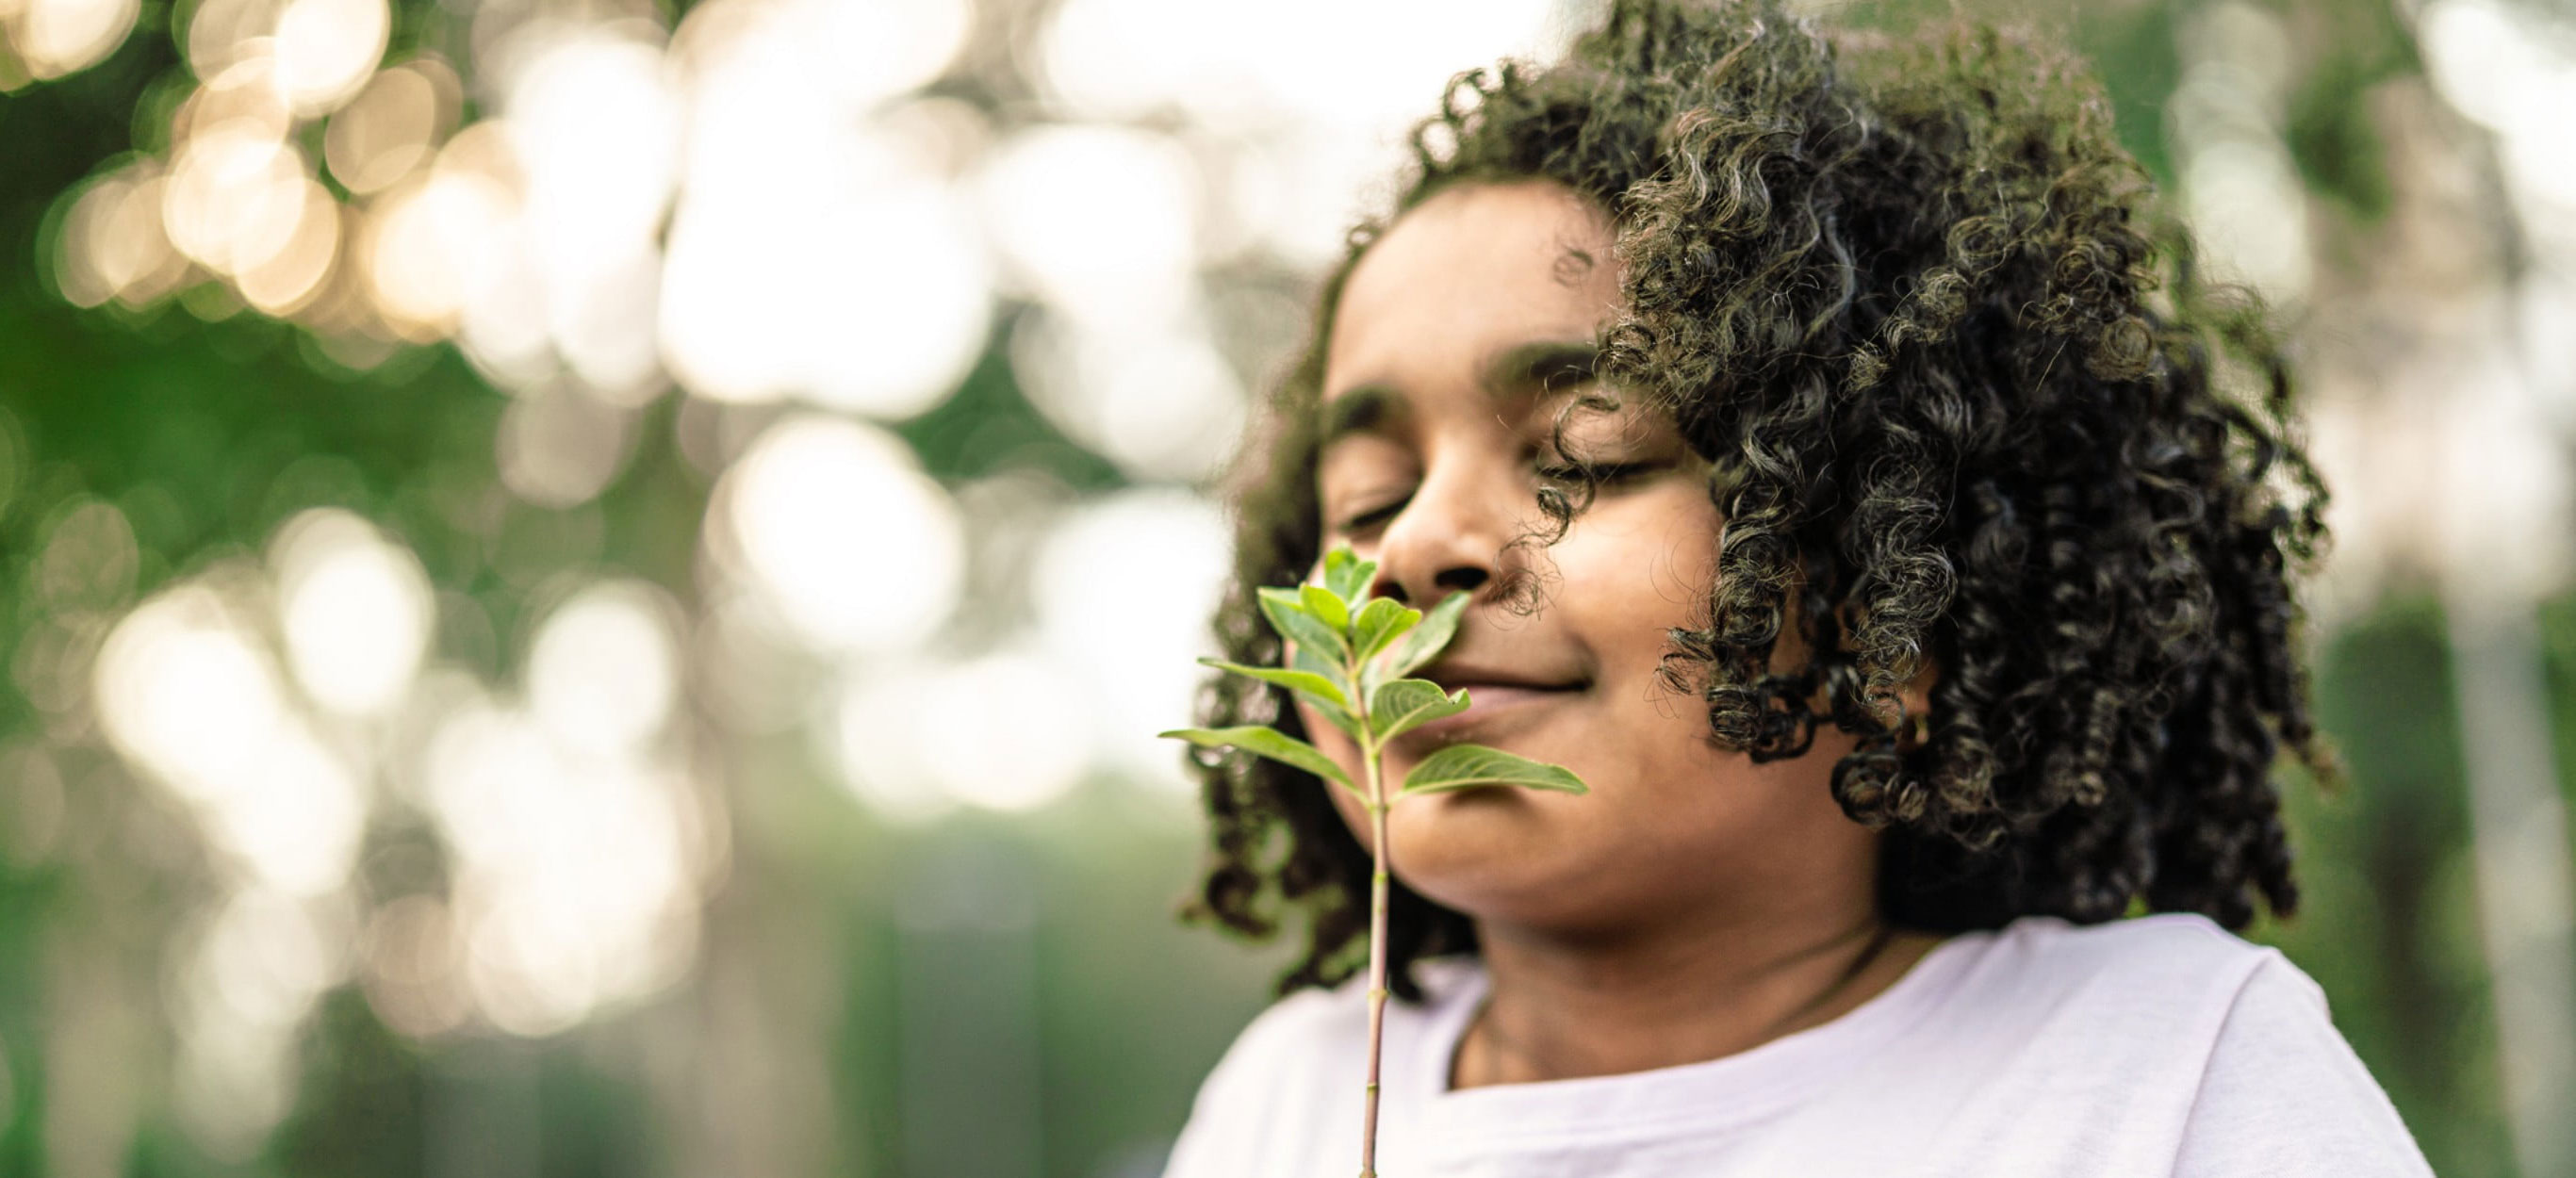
[1349,655]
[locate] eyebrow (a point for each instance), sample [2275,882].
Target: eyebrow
[1536,366]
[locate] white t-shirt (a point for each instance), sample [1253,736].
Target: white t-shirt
[2150,1047]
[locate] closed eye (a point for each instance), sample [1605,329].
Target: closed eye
[1604,474]
[1374,516]
[1607,472]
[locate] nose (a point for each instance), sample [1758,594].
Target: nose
[1453,535]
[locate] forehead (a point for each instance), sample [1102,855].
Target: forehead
[1474,269]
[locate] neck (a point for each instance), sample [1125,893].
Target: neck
[1560,1008]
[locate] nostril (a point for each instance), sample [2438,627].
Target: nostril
[1463,579]
[1468,578]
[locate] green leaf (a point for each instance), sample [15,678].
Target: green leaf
[1423,643]
[1407,704]
[1267,742]
[1287,612]
[1461,765]
[1307,659]
[1327,608]
[1324,690]
[1347,576]
[1383,621]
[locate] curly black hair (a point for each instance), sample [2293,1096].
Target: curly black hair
[1968,400]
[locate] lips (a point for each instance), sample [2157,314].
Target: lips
[1454,674]
[1494,694]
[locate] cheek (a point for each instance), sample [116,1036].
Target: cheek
[1644,569]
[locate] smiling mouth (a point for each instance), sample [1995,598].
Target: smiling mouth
[1487,703]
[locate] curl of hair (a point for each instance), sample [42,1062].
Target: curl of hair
[1970,403]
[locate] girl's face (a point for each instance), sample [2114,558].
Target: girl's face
[1462,332]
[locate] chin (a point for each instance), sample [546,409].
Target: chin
[1479,851]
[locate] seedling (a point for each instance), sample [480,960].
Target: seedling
[1348,655]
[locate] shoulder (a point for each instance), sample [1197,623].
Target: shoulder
[2180,964]
[2166,941]
[2176,968]
[2283,1093]
[2159,1045]
[2030,1005]
[2232,1036]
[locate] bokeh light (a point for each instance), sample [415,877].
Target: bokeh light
[235,198]
[875,743]
[853,281]
[410,967]
[1156,562]
[113,245]
[843,537]
[354,608]
[603,674]
[1306,154]
[2514,73]
[2242,189]
[800,426]
[57,37]
[189,691]
[287,278]
[1158,399]
[1099,221]
[241,97]
[394,125]
[222,33]
[559,447]
[576,883]
[327,49]
[596,129]
[430,246]
[1007,731]
[183,691]
[260,960]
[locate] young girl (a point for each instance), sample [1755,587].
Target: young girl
[1852,485]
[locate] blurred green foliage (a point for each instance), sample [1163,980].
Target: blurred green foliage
[208,434]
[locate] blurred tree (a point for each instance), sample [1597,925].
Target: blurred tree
[206,426]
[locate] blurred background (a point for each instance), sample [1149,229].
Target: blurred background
[585,584]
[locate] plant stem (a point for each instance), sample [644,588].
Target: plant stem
[1377,944]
